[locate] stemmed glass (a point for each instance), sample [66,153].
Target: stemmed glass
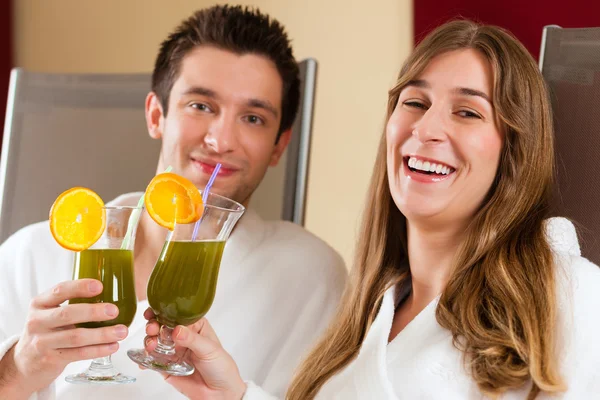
[182,286]
[109,260]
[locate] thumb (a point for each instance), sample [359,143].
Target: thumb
[203,348]
[214,366]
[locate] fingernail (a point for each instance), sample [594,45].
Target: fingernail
[149,341]
[95,286]
[120,331]
[182,334]
[111,310]
[113,346]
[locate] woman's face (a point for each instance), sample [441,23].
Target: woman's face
[443,143]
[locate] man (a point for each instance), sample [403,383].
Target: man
[225,89]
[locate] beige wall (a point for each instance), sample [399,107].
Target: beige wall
[359,46]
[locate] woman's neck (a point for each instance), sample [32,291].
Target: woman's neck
[430,254]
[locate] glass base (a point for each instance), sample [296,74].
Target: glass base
[100,372]
[162,363]
[111,380]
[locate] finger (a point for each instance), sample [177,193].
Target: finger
[150,343]
[204,328]
[88,352]
[81,337]
[79,288]
[149,314]
[152,328]
[71,314]
[203,348]
[187,385]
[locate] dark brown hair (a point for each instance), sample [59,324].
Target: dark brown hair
[236,29]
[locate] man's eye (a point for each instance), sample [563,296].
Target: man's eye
[200,106]
[253,119]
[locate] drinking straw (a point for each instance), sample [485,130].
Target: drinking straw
[211,180]
[134,217]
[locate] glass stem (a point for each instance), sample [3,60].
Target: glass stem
[165,345]
[101,368]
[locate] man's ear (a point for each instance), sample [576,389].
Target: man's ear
[154,116]
[280,146]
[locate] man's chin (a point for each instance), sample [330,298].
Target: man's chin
[223,185]
[216,189]
[196,177]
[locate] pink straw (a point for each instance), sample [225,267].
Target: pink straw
[211,180]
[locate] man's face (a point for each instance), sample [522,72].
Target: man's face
[223,108]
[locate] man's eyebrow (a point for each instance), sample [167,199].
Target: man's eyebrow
[264,104]
[253,102]
[202,91]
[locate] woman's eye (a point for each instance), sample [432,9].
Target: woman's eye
[468,114]
[415,104]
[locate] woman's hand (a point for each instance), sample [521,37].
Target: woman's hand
[216,375]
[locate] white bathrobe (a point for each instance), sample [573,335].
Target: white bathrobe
[421,362]
[278,288]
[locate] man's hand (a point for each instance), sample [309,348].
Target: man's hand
[50,340]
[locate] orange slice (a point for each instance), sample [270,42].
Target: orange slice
[172,199]
[77,218]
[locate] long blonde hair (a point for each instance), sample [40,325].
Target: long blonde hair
[499,303]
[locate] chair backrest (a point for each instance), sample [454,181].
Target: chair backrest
[570,64]
[282,193]
[66,130]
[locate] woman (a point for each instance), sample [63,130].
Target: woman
[461,288]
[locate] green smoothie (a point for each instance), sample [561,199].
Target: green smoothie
[183,283]
[114,268]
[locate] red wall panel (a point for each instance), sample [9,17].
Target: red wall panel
[5,56]
[524,18]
